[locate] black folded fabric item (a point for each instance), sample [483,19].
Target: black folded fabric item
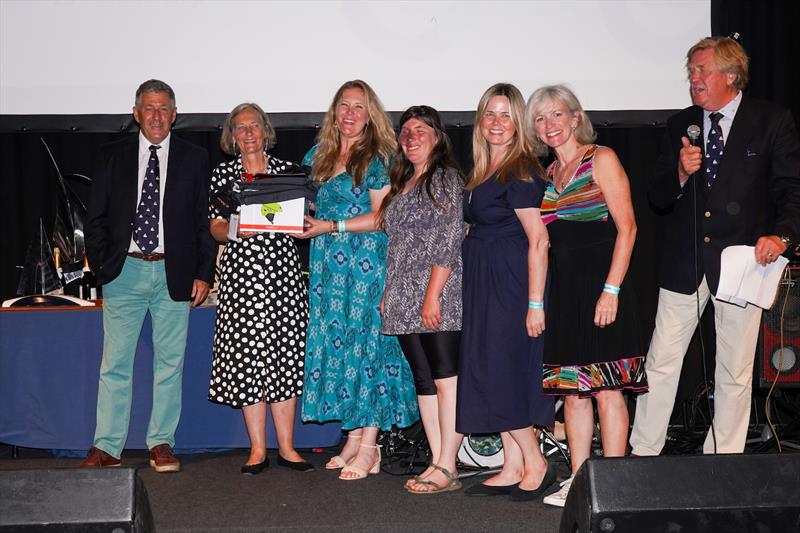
[264,189]
[225,200]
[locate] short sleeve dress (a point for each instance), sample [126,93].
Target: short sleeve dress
[421,235]
[579,357]
[353,373]
[500,370]
[259,334]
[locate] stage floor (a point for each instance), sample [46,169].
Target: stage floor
[210,495]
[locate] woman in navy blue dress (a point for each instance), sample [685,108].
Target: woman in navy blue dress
[505,268]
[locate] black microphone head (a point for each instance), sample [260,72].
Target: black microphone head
[693,132]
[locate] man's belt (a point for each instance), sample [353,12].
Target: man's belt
[146,257]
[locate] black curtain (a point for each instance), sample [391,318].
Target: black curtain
[28,186]
[29,179]
[768,32]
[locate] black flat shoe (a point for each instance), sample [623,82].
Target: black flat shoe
[298,466]
[522,495]
[257,468]
[479,489]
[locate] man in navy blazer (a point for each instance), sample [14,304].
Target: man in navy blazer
[740,185]
[148,242]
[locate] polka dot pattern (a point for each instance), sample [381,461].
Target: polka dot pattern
[259,340]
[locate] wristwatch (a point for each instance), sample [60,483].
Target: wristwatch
[785,239]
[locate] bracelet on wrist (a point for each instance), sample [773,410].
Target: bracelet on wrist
[611,289]
[341,225]
[333,227]
[536,305]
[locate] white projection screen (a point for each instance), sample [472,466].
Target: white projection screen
[87,57]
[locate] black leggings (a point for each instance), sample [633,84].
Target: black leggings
[431,356]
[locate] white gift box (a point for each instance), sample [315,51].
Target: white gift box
[281,217]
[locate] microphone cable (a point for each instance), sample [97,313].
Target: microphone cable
[788,282]
[693,132]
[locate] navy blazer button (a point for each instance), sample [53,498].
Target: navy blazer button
[707,214]
[706,239]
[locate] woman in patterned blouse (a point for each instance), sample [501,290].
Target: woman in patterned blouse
[423,217]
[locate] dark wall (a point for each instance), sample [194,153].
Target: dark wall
[27,191]
[29,180]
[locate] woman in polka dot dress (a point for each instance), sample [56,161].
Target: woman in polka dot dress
[259,340]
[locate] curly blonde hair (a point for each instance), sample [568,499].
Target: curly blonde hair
[377,139]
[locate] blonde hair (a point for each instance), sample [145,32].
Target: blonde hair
[227,141]
[519,161]
[729,56]
[377,139]
[584,132]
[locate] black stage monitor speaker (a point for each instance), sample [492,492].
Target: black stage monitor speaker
[74,500]
[687,494]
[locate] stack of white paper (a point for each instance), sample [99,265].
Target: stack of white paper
[742,280]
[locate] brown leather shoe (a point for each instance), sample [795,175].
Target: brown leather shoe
[97,458]
[162,460]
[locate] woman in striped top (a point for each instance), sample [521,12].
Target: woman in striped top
[592,347]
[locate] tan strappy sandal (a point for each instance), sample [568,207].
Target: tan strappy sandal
[359,472]
[337,462]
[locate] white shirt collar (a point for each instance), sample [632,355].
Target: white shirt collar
[144,144]
[728,111]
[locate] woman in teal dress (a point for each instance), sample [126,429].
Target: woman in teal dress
[353,373]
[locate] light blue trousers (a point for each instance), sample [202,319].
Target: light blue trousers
[140,287]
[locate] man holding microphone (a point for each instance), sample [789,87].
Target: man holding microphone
[740,185]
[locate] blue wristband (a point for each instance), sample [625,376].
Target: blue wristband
[611,289]
[536,305]
[340,225]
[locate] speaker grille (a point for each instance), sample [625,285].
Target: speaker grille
[772,358]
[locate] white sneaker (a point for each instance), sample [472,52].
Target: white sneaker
[559,497]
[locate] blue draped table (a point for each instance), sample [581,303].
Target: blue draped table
[49,368]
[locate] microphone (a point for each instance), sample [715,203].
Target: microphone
[693,132]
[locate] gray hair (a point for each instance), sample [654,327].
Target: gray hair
[154,86]
[584,133]
[227,142]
